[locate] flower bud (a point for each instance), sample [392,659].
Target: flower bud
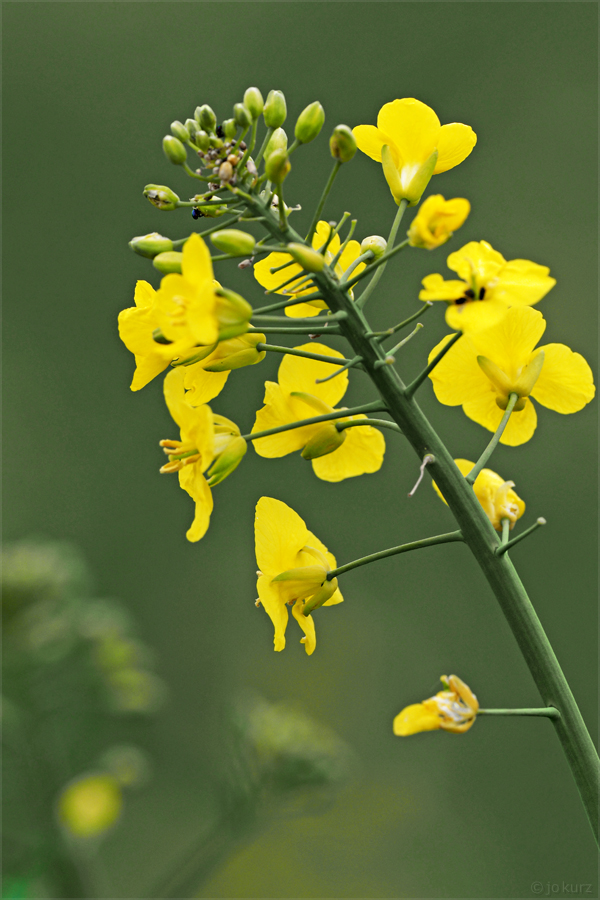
[211,210]
[180,131]
[277,141]
[237,353]
[169,261]
[308,258]
[174,150]
[234,242]
[215,142]
[275,110]
[229,128]
[253,101]
[205,117]
[376,244]
[342,143]
[277,166]
[241,115]
[326,440]
[436,221]
[161,196]
[233,314]
[90,805]
[202,141]
[227,461]
[191,127]
[149,245]
[225,172]
[310,121]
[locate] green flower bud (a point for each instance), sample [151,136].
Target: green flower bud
[205,117]
[180,131]
[275,110]
[342,143]
[216,142]
[227,461]
[233,314]
[237,353]
[149,245]
[212,211]
[310,121]
[253,101]
[202,141]
[234,242]
[278,166]
[376,244]
[277,141]
[170,261]
[174,150]
[326,440]
[308,258]
[229,128]
[241,115]
[161,196]
[191,127]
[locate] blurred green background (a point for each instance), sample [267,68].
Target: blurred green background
[90,89]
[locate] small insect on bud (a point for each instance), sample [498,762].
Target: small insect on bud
[234,242]
[376,244]
[205,118]
[161,196]
[253,101]
[277,141]
[174,150]
[202,141]
[170,261]
[241,115]
[342,143]
[149,245]
[275,111]
[310,121]
[180,131]
[278,166]
[309,259]
[229,128]
[225,172]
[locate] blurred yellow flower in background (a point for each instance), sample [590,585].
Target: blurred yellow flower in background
[437,220]
[453,709]
[90,805]
[495,495]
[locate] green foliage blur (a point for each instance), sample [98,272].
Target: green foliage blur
[90,91]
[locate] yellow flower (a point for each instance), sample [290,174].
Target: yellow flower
[298,396]
[488,287]
[453,709]
[495,495]
[481,370]
[206,378]
[285,547]
[90,805]
[412,146]
[272,281]
[207,440]
[437,220]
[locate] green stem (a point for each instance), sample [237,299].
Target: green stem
[410,389]
[549,711]
[263,146]
[470,478]
[317,330]
[282,304]
[359,259]
[505,530]
[381,262]
[382,335]
[393,551]
[193,174]
[376,423]
[334,360]
[336,168]
[327,417]
[395,349]
[249,148]
[506,545]
[355,361]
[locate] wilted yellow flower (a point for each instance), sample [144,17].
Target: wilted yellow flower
[272,281]
[482,369]
[90,805]
[453,709]
[488,287]
[437,220]
[412,146]
[293,565]
[495,495]
[298,396]
[207,440]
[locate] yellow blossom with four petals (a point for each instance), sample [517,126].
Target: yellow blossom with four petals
[437,220]
[453,709]
[495,495]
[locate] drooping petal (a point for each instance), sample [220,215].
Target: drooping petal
[202,320]
[305,310]
[275,607]
[521,283]
[280,534]
[477,261]
[144,294]
[458,378]
[196,266]
[147,368]
[296,373]
[415,718]
[362,452]
[413,127]
[135,330]
[201,385]
[281,409]
[435,288]
[475,315]
[565,383]
[193,481]
[485,411]
[370,140]
[510,342]
[454,143]
[307,624]
[174,391]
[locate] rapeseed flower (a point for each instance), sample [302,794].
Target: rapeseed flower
[497,497]
[293,565]
[453,709]
[489,285]
[90,805]
[412,146]
[482,369]
[298,396]
[437,220]
[274,281]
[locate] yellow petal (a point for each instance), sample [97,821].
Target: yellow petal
[362,452]
[307,624]
[485,411]
[147,368]
[144,294]
[201,315]
[476,260]
[435,288]
[321,236]
[196,266]
[174,391]
[305,310]
[370,140]
[305,559]
[565,383]
[202,386]
[351,252]
[457,377]
[413,128]
[135,330]
[271,599]
[193,481]
[415,718]
[280,534]
[262,270]
[281,409]
[454,143]
[475,315]
[299,374]
[510,342]
[521,282]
